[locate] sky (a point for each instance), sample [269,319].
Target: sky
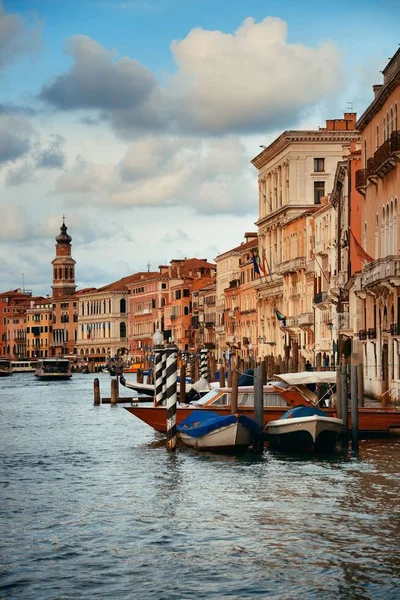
[138,119]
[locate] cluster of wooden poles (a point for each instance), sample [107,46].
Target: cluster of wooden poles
[349,386]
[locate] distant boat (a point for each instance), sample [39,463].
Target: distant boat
[207,430]
[53,368]
[24,366]
[304,428]
[5,368]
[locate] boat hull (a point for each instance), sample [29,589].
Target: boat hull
[53,376]
[304,433]
[371,421]
[232,438]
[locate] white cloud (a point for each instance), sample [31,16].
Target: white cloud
[250,79]
[15,38]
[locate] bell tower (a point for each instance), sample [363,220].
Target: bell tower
[63,266]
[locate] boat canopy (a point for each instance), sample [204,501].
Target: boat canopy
[306,377]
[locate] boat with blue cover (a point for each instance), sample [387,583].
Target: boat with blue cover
[304,428]
[208,430]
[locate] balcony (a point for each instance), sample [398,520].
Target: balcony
[371,169]
[292,265]
[395,329]
[306,319]
[320,298]
[362,335]
[361,180]
[292,322]
[386,156]
[209,324]
[371,333]
[382,269]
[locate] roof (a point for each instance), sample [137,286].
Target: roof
[243,246]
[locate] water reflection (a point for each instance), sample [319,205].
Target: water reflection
[93,505]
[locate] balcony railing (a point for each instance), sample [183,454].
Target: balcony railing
[209,324]
[361,179]
[362,334]
[292,265]
[320,297]
[395,329]
[371,168]
[384,156]
[292,322]
[306,319]
[371,333]
[381,269]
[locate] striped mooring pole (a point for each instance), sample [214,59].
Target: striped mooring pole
[172,366]
[158,376]
[204,363]
[164,376]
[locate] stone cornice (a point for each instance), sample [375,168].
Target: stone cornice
[379,101]
[309,137]
[284,214]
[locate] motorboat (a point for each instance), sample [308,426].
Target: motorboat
[53,368]
[5,368]
[286,391]
[194,391]
[304,428]
[208,430]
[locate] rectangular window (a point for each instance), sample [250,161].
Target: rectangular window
[186,293]
[163,286]
[319,165]
[319,191]
[178,295]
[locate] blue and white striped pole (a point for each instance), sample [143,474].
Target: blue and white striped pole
[172,368]
[204,363]
[158,376]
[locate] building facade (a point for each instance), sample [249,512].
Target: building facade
[378,285]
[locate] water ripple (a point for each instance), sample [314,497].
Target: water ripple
[93,506]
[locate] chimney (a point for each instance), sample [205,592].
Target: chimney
[377,88]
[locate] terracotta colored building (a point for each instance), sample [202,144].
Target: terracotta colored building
[378,285]
[39,328]
[13,305]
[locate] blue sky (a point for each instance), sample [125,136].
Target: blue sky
[137,119]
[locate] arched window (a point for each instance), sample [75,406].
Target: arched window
[377,137]
[395,117]
[122,330]
[384,129]
[122,306]
[391,120]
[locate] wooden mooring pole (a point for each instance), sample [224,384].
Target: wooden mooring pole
[354,409]
[258,444]
[96,392]
[114,390]
[234,394]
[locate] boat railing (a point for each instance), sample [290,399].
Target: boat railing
[392,397]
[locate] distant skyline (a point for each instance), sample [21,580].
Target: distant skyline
[138,120]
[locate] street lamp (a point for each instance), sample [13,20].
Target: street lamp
[158,338]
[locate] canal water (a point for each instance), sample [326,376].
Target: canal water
[93,506]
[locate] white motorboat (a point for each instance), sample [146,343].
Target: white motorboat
[304,428]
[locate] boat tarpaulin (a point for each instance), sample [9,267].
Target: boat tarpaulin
[200,422]
[306,377]
[302,411]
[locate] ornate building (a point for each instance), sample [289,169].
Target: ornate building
[295,173]
[378,285]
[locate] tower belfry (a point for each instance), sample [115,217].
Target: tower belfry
[63,265]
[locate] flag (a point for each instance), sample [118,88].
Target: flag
[265,265]
[280,317]
[255,258]
[360,250]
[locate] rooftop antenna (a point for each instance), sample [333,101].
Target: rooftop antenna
[148,267]
[349,106]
